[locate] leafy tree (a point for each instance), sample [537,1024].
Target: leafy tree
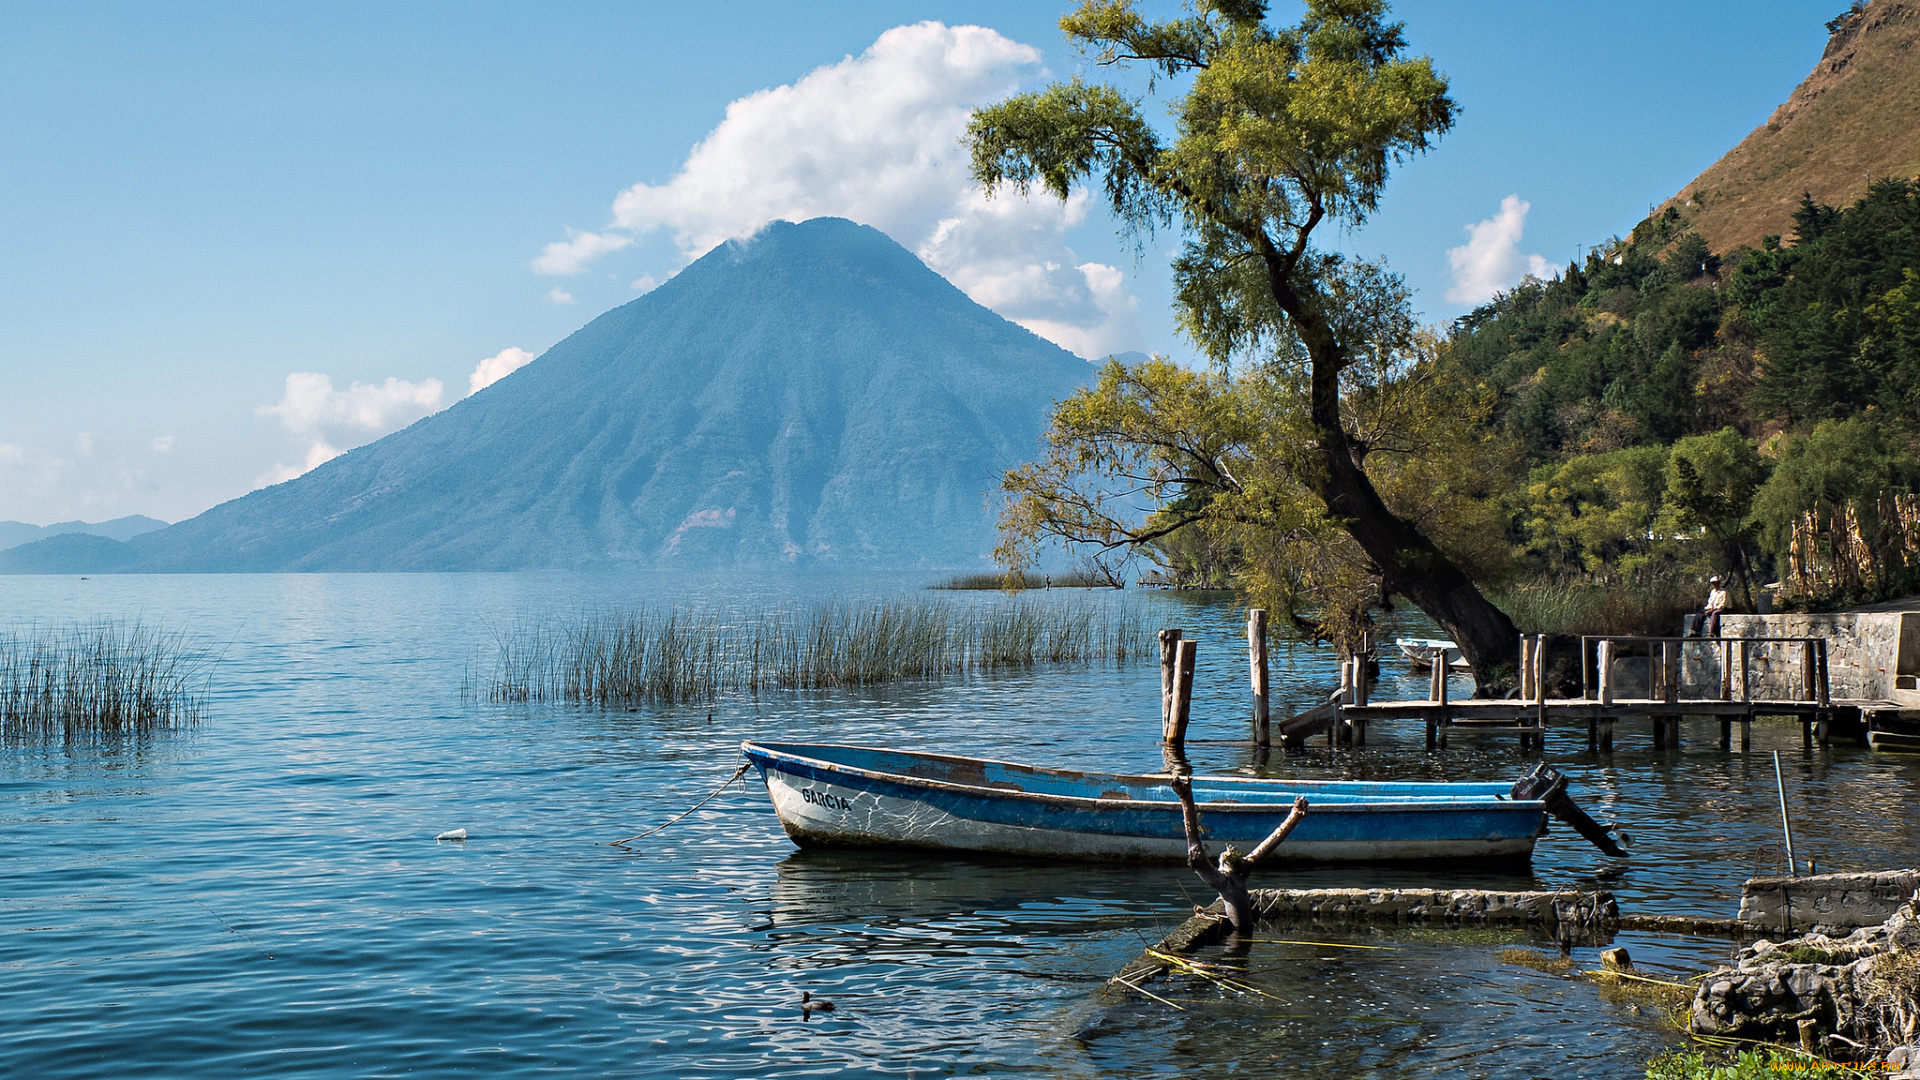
[1711,481]
[1840,463]
[1279,132]
[1597,511]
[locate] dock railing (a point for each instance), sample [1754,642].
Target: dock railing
[1599,653]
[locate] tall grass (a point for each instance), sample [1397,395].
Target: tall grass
[98,680]
[1655,608]
[641,656]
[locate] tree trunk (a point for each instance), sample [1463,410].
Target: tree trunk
[1411,564]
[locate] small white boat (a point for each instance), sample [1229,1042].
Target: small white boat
[1419,653]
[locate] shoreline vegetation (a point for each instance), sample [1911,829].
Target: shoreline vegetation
[99,680]
[1649,606]
[1022,580]
[674,656]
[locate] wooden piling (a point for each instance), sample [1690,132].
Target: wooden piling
[1169,662]
[1526,667]
[1176,732]
[1809,670]
[1726,671]
[1670,671]
[1606,672]
[1822,680]
[1746,687]
[1257,663]
[1440,681]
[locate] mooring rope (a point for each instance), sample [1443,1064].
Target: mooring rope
[737,774]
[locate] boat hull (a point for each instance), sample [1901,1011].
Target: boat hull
[825,803]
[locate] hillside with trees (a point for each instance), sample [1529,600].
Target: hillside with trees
[1675,411]
[1580,454]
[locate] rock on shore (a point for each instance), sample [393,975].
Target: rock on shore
[1857,989]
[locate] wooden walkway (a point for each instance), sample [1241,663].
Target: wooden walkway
[1345,718]
[1347,723]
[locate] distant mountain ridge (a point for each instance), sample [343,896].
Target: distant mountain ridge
[13,534]
[812,395]
[1854,118]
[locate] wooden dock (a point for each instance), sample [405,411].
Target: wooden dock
[1347,723]
[1345,718]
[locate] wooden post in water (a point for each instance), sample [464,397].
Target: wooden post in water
[1670,671]
[1670,686]
[1823,692]
[1169,663]
[1526,667]
[1746,687]
[1808,675]
[1182,692]
[1440,678]
[1540,690]
[1257,662]
[1606,672]
[1823,681]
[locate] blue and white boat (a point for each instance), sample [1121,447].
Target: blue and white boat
[831,795]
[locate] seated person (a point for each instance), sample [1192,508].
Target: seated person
[1707,623]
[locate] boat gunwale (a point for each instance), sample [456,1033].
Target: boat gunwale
[1474,804]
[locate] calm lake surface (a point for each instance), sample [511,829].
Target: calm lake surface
[264,895]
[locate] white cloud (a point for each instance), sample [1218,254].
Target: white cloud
[162,444]
[877,138]
[644,283]
[29,470]
[1490,260]
[497,367]
[558,295]
[318,454]
[332,422]
[83,442]
[38,485]
[570,256]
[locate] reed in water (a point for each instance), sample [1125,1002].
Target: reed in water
[99,680]
[676,656]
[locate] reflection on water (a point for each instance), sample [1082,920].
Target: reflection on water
[264,895]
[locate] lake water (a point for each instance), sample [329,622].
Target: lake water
[264,895]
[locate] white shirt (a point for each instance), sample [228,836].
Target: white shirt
[1717,599]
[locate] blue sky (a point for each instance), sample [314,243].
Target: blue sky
[242,237]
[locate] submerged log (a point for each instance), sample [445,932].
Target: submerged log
[1229,876]
[1569,916]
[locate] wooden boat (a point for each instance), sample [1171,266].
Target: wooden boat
[1419,653]
[828,795]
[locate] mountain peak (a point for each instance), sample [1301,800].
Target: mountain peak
[1855,118]
[811,394]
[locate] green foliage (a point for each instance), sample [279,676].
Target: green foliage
[1654,343]
[1711,481]
[1315,412]
[1837,331]
[1764,1063]
[1654,338]
[1840,463]
[1597,511]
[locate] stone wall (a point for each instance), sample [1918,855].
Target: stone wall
[1822,901]
[1866,652]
